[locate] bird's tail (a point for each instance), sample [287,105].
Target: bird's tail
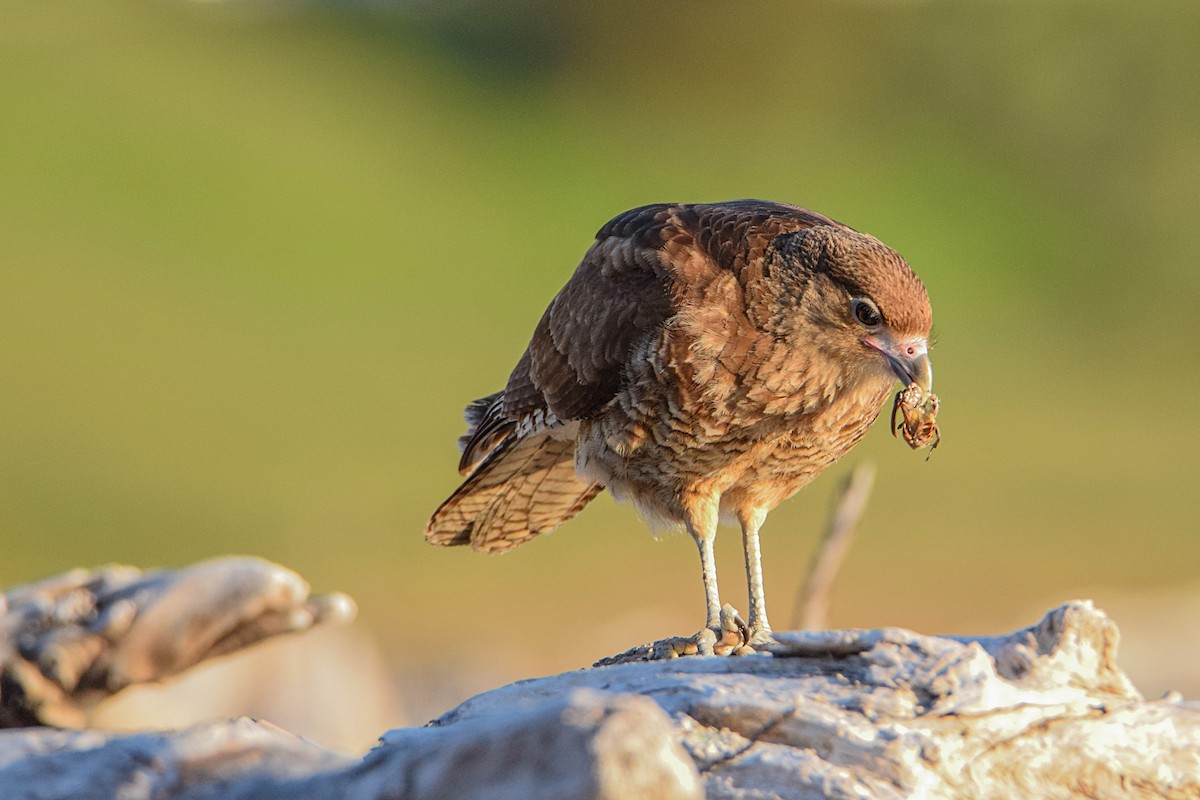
[525,485]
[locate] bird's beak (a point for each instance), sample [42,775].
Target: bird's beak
[908,359]
[918,370]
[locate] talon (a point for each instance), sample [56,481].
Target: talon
[743,630]
[732,623]
[733,632]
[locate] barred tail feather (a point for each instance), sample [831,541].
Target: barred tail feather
[526,485]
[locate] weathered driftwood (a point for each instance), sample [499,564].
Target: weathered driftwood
[68,642]
[1043,712]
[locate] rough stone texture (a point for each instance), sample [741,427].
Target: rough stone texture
[582,744]
[206,760]
[1044,712]
[70,641]
[576,746]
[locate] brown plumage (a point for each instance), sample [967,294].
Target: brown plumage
[703,361]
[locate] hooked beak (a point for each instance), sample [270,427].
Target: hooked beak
[909,360]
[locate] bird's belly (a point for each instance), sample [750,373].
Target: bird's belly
[659,464]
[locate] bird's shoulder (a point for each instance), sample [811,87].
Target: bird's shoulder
[681,239]
[644,264]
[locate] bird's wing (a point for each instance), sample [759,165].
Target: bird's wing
[518,455]
[644,264]
[619,294]
[524,486]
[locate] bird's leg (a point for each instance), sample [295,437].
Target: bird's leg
[708,571]
[725,632]
[751,520]
[700,518]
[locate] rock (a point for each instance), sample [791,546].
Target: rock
[1043,712]
[204,761]
[581,744]
[69,642]
[886,713]
[578,746]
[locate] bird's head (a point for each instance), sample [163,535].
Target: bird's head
[858,302]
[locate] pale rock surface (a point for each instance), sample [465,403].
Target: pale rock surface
[578,746]
[1044,712]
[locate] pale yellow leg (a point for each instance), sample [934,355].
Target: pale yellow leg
[760,629]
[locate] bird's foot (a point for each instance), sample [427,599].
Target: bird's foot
[760,636]
[702,643]
[732,637]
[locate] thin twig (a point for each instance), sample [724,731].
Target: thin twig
[812,605]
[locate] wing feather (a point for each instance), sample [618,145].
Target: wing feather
[644,267]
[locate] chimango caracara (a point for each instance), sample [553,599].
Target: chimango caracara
[705,362]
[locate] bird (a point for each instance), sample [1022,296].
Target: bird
[704,362]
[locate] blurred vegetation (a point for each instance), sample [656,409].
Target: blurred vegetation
[255,258]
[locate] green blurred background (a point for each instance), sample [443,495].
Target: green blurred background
[256,257]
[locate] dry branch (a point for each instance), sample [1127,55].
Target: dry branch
[812,605]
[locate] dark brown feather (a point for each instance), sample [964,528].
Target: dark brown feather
[628,285]
[486,427]
[646,266]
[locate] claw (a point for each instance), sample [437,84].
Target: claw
[734,632]
[731,637]
[732,622]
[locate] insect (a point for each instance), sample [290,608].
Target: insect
[919,417]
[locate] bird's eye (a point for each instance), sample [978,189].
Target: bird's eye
[866,312]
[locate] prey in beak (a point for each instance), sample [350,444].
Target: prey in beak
[916,403]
